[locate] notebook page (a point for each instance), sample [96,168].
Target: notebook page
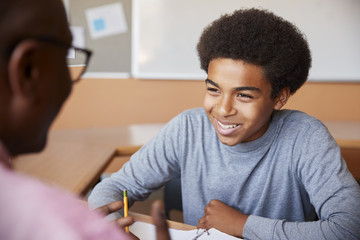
[146,231]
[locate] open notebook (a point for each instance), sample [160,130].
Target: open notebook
[146,231]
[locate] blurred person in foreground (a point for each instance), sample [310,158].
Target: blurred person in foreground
[34,83]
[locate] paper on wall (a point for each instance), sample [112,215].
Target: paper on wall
[106,20]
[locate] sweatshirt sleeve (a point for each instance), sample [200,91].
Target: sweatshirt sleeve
[332,190]
[148,169]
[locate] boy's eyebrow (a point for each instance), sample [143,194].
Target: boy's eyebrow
[211,82]
[236,89]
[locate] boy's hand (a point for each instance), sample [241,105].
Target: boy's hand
[224,218]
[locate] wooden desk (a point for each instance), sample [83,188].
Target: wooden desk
[74,159]
[171,224]
[74,166]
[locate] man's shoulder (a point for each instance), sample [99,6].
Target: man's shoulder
[52,206]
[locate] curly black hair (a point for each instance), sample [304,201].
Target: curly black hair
[261,38]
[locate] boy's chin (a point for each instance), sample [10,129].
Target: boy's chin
[228,140]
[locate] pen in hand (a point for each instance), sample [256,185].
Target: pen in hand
[126,208]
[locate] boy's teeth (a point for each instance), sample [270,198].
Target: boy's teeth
[227,126]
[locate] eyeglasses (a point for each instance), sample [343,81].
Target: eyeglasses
[77,58]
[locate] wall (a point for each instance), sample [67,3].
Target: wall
[114,102]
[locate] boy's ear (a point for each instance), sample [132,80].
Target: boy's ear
[282,98]
[23,69]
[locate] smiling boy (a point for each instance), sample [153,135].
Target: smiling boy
[238,101]
[247,167]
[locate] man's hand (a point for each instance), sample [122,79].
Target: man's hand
[224,218]
[158,216]
[157,213]
[121,222]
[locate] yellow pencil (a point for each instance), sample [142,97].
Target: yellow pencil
[126,208]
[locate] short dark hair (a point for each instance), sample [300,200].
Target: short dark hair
[261,38]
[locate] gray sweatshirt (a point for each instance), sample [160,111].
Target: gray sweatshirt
[285,180]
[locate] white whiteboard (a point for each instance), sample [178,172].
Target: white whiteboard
[165,34]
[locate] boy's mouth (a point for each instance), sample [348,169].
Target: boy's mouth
[226,129]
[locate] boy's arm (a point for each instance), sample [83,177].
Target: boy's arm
[148,169]
[332,190]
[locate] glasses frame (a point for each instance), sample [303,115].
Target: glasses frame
[88,56]
[59,43]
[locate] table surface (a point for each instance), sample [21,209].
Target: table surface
[172,224]
[75,158]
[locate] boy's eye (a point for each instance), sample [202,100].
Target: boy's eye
[212,89]
[244,95]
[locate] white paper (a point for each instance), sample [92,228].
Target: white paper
[71,53]
[106,20]
[66,6]
[146,231]
[78,34]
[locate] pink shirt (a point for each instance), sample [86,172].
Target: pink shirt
[33,211]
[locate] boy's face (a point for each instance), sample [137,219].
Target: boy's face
[237,100]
